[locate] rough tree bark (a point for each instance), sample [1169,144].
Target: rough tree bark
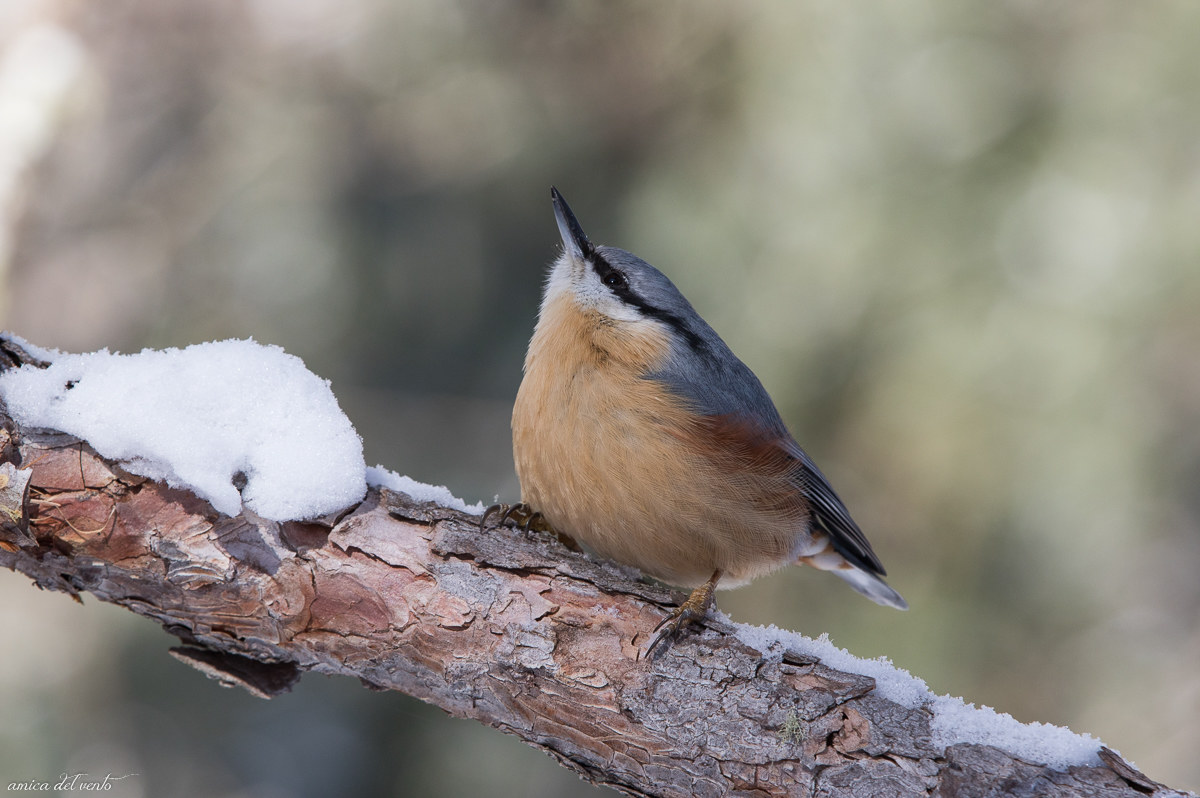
[503,626]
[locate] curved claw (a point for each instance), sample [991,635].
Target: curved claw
[526,519]
[672,626]
[521,514]
[689,612]
[504,508]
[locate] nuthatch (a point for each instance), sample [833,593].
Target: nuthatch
[637,432]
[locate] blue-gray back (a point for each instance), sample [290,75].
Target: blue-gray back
[703,371]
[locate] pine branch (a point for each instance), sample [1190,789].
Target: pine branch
[503,626]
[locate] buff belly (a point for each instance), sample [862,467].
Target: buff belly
[611,459]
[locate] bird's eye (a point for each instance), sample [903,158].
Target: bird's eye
[614,279]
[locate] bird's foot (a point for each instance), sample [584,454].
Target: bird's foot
[521,515]
[689,612]
[527,519]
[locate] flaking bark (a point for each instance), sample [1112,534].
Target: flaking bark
[503,626]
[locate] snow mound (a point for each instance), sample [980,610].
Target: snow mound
[204,418]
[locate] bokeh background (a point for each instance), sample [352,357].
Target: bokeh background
[958,241]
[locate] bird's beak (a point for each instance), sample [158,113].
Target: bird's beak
[575,242]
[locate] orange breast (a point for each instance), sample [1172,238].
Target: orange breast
[620,464]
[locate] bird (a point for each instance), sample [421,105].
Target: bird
[638,433]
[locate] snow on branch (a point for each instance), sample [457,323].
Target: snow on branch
[220,491]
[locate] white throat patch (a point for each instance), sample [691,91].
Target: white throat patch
[579,281]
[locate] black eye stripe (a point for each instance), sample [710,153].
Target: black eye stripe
[616,282]
[611,277]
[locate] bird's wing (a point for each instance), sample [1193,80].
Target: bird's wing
[730,398]
[830,513]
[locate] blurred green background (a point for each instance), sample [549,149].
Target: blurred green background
[958,241]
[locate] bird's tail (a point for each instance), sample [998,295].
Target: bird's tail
[862,580]
[873,588]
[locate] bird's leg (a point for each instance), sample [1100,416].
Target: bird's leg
[689,612]
[527,519]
